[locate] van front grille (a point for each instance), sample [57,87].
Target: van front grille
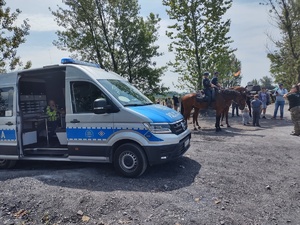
[178,127]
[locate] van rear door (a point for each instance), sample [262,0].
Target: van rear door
[8,125]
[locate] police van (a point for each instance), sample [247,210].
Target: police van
[103,118]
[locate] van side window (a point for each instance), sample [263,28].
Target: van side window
[83,96]
[6,101]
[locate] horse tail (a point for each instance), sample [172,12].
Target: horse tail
[181,108]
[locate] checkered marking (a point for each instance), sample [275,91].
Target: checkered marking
[103,133]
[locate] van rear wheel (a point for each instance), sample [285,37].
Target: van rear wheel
[130,160]
[7,164]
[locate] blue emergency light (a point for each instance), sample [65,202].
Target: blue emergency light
[74,61]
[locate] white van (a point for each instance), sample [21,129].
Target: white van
[103,119]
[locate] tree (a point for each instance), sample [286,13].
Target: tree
[285,60]
[254,82]
[266,82]
[111,33]
[198,39]
[11,37]
[233,76]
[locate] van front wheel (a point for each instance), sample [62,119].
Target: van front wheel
[130,160]
[7,164]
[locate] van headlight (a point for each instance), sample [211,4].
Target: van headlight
[158,128]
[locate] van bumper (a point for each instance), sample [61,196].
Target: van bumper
[165,153]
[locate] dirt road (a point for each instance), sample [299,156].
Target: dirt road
[242,175]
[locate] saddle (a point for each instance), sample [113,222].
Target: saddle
[200,96]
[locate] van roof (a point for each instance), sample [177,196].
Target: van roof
[93,72]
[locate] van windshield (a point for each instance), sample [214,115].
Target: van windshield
[126,94]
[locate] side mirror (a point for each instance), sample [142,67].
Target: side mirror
[100,106]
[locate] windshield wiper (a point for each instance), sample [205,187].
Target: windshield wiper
[134,104]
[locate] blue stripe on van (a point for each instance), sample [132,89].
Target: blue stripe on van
[158,113]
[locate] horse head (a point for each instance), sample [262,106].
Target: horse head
[239,97]
[241,101]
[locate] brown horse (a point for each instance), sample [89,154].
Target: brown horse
[223,99]
[243,91]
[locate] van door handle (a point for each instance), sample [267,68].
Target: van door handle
[9,123]
[75,121]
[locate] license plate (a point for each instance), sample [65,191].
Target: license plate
[186,143]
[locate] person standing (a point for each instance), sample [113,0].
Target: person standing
[245,116]
[264,97]
[235,107]
[294,107]
[53,116]
[256,110]
[176,102]
[279,102]
[207,85]
[169,102]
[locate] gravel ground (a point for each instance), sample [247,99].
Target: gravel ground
[242,175]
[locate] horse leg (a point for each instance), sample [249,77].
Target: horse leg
[195,119]
[249,107]
[186,113]
[217,125]
[222,118]
[226,115]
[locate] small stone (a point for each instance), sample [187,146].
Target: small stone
[85,218]
[80,213]
[268,187]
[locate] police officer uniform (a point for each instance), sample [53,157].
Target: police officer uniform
[215,82]
[207,88]
[53,116]
[294,108]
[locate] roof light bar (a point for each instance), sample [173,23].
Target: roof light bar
[74,61]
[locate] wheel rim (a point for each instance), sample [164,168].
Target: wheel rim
[128,161]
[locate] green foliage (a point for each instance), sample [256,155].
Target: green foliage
[11,37]
[233,66]
[254,82]
[266,82]
[285,60]
[198,39]
[111,33]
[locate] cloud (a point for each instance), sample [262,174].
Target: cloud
[39,22]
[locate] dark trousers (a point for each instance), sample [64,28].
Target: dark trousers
[208,95]
[52,125]
[256,116]
[235,107]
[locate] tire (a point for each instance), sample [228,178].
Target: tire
[130,160]
[7,164]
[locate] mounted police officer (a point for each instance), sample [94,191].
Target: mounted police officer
[215,82]
[207,87]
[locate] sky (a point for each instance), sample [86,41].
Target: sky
[250,24]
